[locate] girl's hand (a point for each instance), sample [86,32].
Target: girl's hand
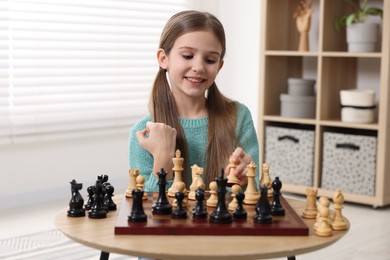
[241,159]
[159,140]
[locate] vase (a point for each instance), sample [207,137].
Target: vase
[362,37]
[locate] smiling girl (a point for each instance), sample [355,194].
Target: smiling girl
[187,110]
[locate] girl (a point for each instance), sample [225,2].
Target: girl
[188,112]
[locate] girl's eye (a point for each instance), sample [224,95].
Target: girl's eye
[187,57]
[210,61]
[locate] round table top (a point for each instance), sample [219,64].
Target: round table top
[99,234]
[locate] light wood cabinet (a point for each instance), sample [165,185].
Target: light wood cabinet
[334,69]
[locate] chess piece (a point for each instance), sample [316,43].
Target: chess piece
[240,213]
[276,207]
[89,203]
[97,209]
[137,211]
[162,205]
[339,222]
[310,210]
[263,208]
[266,179]
[324,229]
[177,172]
[303,21]
[232,178]
[197,181]
[213,199]
[233,203]
[179,212]
[252,195]
[133,173]
[221,215]
[76,202]
[108,202]
[323,202]
[140,180]
[199,211]
[181,186]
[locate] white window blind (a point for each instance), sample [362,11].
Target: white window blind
[77,67]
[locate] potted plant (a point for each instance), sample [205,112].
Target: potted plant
[361,35]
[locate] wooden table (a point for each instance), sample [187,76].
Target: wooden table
[99,234]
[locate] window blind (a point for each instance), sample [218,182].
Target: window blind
[77,67]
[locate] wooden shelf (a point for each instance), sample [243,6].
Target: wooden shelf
[334,69]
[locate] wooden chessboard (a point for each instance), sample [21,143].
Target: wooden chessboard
[289,225]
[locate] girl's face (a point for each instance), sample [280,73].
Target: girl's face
[192,64]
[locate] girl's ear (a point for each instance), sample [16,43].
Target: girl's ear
[162,59]
[220,65]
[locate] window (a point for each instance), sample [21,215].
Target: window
[77,67]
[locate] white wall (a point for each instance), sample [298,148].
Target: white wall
[38,172]
[239,77]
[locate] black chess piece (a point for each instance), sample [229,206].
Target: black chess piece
[162,205]
[179,212]
[221,215]
[76,202]
[276,207]
[137,210]
[263,208]
[199,211]
[97,209]
[108,202]
[240,213]
[89,203]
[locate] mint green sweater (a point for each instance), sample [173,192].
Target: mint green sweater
[195,131]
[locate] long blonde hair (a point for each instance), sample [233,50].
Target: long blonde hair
[221,111]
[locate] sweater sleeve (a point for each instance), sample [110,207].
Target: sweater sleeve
[247,136]
[141,159]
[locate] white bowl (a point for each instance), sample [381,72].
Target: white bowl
[357,97]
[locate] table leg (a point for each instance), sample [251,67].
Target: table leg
[104,255]
[291,257]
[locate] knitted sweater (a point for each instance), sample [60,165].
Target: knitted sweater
[196,131]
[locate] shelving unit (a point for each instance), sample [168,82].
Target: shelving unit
[334,69]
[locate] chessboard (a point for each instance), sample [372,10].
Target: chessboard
[290,224]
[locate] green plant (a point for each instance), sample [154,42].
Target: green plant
[359,16]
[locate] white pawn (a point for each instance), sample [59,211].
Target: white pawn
[323,202]
[133,173]
[233,204]
[140,180]
[339,222]
[213,199]
[323,228]
[252,195]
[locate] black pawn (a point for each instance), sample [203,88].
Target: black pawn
[199,211]
[162,205]
[263,208]
[240,212]
[89,203]
[179,212]
[221,215]
[137,210]
[97,209]
[108,202]
[76,202]
[276,207]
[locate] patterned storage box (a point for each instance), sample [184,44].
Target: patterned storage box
[290,154]
[349,163]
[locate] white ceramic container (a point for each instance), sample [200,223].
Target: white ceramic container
[357,106]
